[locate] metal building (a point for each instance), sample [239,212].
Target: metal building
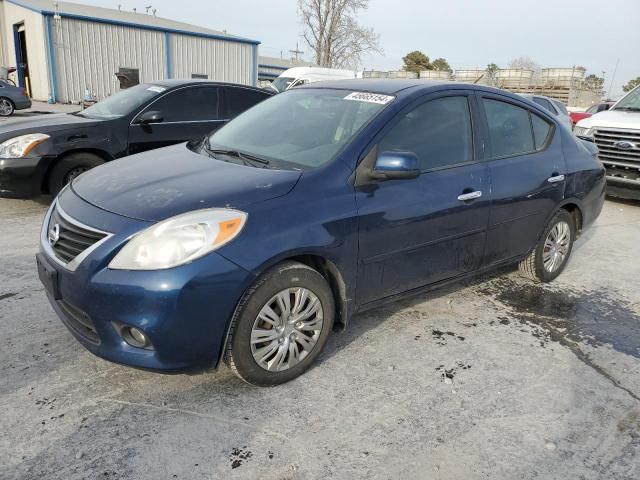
[64,49]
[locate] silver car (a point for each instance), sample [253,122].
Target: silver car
[554,106]
[12,98]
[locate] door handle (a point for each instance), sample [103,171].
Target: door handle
[556,179]
[470,196]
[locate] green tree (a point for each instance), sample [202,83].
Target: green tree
[594,81]
[416,61]
[440,64]
[631,84]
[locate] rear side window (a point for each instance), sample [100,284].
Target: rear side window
[438,132]
[188,104]
[561,107]
[237,100]
[543,102]
[541,131]
[509,128]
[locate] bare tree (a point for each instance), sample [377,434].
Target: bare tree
[333,33]
[525,63]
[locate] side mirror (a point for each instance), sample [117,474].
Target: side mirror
[396,166]
[151,116]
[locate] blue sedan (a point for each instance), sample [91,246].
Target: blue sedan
[251,245]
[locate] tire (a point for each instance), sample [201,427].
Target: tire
[289,279]
[533,266]
[69,167]
[6,107]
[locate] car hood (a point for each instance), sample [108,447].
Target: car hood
[161,183]
[43,124]
[612,119]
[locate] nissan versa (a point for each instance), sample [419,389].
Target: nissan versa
[251,245]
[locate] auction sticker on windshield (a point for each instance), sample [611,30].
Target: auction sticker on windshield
[369,97]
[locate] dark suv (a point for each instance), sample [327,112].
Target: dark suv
[44,153]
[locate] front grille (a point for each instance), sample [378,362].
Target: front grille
[620,162]
[79,322]
[72,237]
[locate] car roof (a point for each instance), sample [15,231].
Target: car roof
[172,83]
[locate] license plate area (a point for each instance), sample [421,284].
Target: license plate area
[48,276]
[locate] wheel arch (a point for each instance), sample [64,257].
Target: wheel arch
[94,151]
[573,206]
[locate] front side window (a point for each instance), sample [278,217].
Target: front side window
[438,132]
[282,83]
[509,128]
[122,103]
[188,104]
[303,128]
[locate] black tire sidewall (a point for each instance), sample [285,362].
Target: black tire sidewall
[13,107]
[63,166]
[541,272]
[273,282]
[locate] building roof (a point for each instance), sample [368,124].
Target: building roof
[282,63]
[124,18]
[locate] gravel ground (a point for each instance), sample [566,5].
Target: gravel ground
[492,378]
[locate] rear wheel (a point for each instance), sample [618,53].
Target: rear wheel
[551,255]
[70,167]
[6,107]
[281,325]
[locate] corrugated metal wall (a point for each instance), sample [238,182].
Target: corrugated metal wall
[219,59]
[87,55]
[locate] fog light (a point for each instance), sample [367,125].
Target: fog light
[135,337]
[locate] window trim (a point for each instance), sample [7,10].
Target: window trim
[468,94]
[539,111]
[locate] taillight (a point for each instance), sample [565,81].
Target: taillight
[24,92]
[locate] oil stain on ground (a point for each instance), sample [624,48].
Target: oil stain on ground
[595,318]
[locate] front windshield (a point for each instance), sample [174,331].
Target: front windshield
[122,103]
[630,102]
[282,83]
[305,128]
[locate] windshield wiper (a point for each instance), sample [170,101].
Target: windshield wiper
[247,159]
[631,109]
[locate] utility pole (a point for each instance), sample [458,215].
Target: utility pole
[613,76]
[296,52]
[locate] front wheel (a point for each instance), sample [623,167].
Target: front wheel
[551,255]
[70,167]
[281,325]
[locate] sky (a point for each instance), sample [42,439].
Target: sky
[468,33]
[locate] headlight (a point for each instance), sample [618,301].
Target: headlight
[19,147]
[583,132]
[180,239]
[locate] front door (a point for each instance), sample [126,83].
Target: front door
[421,231]
[527,171]
[187,113]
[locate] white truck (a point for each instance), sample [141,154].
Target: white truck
[616,132]
[301,75]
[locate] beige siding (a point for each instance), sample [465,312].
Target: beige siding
[221,60]
[88,54]
[3,38]
[36,46]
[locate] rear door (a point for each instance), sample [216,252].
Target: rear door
[527,171]
[421,231]
[187,113]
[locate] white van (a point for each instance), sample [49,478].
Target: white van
[301,75]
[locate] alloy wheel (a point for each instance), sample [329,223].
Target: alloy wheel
[6,108]
[556,246]
[287,329]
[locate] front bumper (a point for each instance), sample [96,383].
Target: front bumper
[184,311]
[625,188]
[23,177]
